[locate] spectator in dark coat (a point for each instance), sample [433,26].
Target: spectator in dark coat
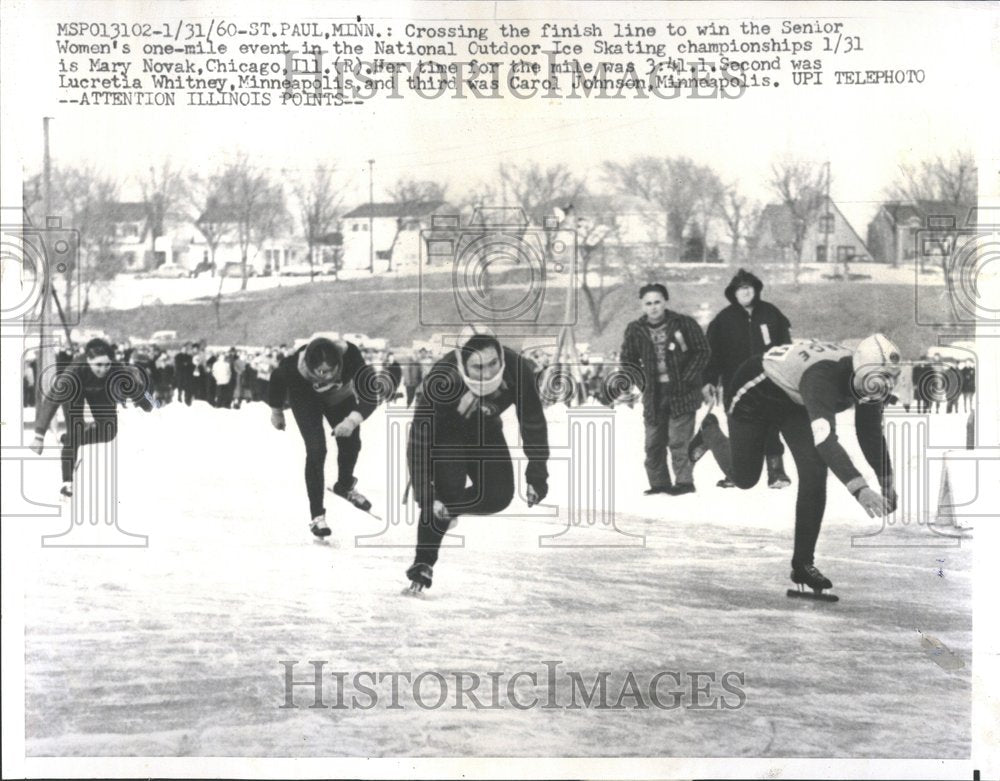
[184,374]
[748,326]
[968,372]
[412,372]
[667,353]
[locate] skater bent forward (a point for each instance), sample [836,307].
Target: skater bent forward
[96,379]
[799,388]
[325,379]
[457,436]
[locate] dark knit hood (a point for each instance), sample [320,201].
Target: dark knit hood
[742,279]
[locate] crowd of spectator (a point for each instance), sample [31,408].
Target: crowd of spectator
[229,378]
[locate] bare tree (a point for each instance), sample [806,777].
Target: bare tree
[208,215]
[802,187]
[538,190]
[679,186]
[256,205]
[954,180]
[708,192]
[735,213]
[752,230]
[543,193]
[86,200]
[164,191]
[319,201]
[598,279]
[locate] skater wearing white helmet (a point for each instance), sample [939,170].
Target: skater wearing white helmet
[800,388]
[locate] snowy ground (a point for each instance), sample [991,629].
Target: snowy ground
[129,291]
[175,649]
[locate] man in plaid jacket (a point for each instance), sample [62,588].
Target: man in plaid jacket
[667,352]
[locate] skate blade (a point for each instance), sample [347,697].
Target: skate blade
[366,512]
[414,590]
[819,596]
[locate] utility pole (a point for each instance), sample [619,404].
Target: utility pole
[371,217]
[44,274]
[827,216]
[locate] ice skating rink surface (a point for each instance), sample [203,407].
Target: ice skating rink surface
[176,649]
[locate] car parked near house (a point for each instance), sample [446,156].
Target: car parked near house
[166,271]
[234,268]
[299,270]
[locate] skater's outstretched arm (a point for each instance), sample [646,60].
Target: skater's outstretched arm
[868,425]
[819,387]
[277,390]
[534,430]
[66,386]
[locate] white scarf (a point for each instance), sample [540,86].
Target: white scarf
[318,385]
[480,387]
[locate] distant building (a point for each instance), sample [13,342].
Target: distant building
[270,257]
[395,233]
[130,236]
[829,239]
[894,235]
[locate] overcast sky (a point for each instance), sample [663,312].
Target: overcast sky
[865,132]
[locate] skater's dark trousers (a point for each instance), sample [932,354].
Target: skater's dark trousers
[741,456]
[491,474]
[79,432]
[309,411]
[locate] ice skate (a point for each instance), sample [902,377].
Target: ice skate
[725,482]
[809,576]
[662,490]
[698,447]
[420,576]
[318,526]
[66,492]
[355,497]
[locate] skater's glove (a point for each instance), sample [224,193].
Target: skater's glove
[440,511]
[537,491]
[873,502]
[891,499]
[37,445]
[278,419]
[346,427]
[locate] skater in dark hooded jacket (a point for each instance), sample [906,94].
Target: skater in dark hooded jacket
[457,434]
[326,379]
[96,379]
[747,327]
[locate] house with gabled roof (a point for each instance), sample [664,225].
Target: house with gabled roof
[894,234]
[219,221]
[390,232]
[129,227]
[829,239]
